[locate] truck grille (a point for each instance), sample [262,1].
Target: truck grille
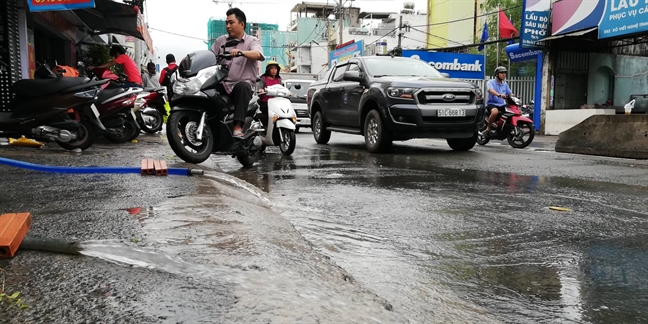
[302,113]
[445,97]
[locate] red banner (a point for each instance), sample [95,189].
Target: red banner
[141,27]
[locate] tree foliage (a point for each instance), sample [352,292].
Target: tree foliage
[513,10]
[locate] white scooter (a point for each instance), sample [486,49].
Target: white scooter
[280,129]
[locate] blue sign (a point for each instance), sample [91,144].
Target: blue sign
[622,17]
[535,22]
[457,65]
[347,52]
[52,5]
[517,54]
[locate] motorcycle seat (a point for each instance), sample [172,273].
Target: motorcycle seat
[44,87]
[108,93]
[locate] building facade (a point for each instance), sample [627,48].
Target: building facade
[450,24]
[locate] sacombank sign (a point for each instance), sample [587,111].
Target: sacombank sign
[457,65]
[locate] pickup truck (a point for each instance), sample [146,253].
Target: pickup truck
[390,99]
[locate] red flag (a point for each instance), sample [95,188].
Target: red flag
[506,28]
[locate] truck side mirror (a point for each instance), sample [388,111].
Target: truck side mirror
[352,76]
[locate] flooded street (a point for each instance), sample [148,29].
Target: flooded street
[334,234]
[458,237]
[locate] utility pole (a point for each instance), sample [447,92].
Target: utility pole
[398,51]
[498,36]
[340,20]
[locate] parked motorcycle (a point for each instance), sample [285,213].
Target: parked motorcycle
[115,105]
[201,119]
[150,111]
[510,125]
[281,120]
[40,110]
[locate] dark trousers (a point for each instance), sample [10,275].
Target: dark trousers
[240,96]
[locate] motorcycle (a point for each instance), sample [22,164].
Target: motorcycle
[510,125]
[149,110]
[201,119]
[115,105]
[527,110]
[281,120]
[40,109]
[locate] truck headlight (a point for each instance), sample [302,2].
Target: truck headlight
[403,93]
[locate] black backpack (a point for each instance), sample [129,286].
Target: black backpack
[167,77]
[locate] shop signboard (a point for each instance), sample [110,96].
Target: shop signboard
[457,65]
[345,53]
[52,5]
[516,53]
[623,17]
[535,22]
[141,27]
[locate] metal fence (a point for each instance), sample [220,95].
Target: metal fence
[524,87]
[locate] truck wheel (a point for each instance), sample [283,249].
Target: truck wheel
[377,138]
[462,144]
[322,136]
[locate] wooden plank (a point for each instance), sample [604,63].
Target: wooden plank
[13,229]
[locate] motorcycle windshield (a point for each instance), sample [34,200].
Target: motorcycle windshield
[196,61]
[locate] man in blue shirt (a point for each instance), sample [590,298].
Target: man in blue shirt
[498,89]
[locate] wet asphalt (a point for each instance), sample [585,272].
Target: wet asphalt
[335,234]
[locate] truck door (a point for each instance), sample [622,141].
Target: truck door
[333,96]
[351,94]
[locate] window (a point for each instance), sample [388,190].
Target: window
[339,71]
[354,67]
[381,66]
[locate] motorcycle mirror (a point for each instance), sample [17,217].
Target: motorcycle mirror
[231,42]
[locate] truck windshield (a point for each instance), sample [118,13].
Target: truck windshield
[400,67]
[301,92]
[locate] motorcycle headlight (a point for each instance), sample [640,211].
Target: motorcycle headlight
[403,93]
[192,86]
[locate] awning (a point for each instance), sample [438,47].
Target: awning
[576,33]
[112,17]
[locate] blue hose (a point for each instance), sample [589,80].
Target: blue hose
[78,170]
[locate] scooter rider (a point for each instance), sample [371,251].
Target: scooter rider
[243,70]
[498,89]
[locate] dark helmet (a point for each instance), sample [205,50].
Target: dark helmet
[500,69]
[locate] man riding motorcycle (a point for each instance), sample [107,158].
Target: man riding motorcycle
[243,70]
[498,89]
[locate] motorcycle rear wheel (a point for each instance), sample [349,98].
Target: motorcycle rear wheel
[181,134]
[157,124]
[87,135]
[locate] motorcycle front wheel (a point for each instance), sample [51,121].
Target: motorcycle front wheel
[288,142]
[182,129]
[524,137]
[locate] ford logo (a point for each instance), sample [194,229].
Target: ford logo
[448,97]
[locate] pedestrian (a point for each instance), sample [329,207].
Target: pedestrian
[133,76]
[150,77]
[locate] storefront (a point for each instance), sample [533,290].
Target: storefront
[10,69]
[597,59]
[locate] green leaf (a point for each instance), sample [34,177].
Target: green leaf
[15,295]
[24,306]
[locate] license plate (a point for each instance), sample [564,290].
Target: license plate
[452,113]
[94,110]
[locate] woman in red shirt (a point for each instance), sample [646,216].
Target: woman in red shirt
[133,77]
[269,78]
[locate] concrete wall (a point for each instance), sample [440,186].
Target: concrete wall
[275,43]
[558,121]
[630,76]
[309,29]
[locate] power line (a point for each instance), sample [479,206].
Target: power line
[470,18]
[176,34]
[393,30]
[439,37]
